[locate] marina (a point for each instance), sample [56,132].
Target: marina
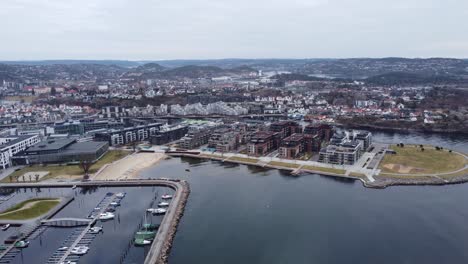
[79,231]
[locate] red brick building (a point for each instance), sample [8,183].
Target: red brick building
[292,146]
[262,142]
[286,128]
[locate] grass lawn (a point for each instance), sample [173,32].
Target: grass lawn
[284,164]
[358,175]
[29,209]
[323,169]
[411,160]
[70,170]
[250,160]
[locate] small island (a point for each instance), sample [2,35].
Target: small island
[29,209]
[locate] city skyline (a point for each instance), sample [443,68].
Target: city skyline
[156,30]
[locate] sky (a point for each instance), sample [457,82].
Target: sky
[211,29]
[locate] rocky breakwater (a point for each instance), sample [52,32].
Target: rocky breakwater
[179,212]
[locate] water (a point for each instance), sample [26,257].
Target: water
[244,214]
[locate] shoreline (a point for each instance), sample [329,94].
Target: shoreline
[381,182]
[402,130]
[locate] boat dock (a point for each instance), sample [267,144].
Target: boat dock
[82,236]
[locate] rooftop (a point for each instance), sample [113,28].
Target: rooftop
[51,144]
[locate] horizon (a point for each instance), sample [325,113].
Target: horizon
[228,58]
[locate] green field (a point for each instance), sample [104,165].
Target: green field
[249,160]
[284,164]
[29,209]
[69,170]
[323,169]
[411,160]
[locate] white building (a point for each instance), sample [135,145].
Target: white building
[12,145]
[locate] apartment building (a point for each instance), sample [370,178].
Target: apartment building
[12,145]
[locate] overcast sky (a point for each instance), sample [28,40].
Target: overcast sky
[206,29]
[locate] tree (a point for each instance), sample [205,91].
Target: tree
[53,91]
[85,165]
[422,149]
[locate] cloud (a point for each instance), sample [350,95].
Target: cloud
[157,29]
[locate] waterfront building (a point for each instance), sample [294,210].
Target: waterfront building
[292,147]
[128,135]
[62,150]
[365,138]
[196,137]
[344,154]
[12,145]
[286,128]
[168,134]
[263,142]
[224,140]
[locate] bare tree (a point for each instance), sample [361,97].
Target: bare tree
[85,165]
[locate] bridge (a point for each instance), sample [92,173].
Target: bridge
[66,222]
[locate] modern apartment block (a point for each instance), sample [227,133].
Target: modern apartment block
[224,140]
[285,128]
[168,134]
[343,154]
[128,135]
[346,148]
[196,137]
[10,146]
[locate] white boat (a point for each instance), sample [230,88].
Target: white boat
[106,216]
[163,204]
[81,250]
[5,227]
[115,204]
[150,210]
[145,242]
[166,196]
[62,248]
[160,211]
[74,187]
[95,230]
[120,195]
[69,262]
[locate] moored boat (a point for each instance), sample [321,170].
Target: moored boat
[106,216]
[166,196]
[5,227]
[163,204]
[21,244]
[95,230]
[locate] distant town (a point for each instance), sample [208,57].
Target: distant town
[314,111]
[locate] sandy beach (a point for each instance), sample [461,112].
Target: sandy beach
[128,167]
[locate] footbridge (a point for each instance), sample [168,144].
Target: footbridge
[66,222]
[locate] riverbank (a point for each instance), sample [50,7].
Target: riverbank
[401,129]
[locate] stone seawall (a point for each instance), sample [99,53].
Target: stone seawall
[166,248]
